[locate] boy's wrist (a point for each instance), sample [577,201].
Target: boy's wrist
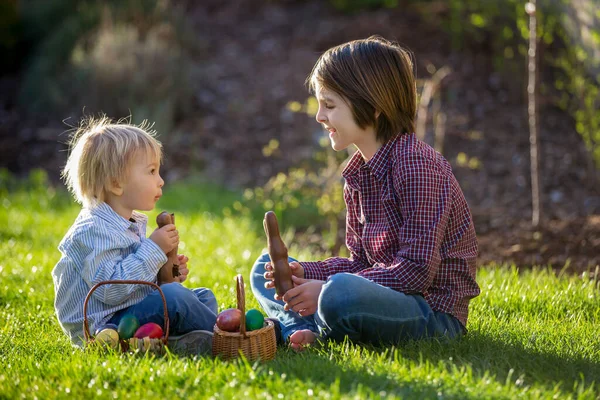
[151,252]
[312,269]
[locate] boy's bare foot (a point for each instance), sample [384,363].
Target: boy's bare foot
[301,338]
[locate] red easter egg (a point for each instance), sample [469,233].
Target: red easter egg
[229,320]
[151,330]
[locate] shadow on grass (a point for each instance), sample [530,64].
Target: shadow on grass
[487,356]
[499,355]
[505,360]
[329,373]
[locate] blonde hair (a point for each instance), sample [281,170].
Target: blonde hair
[101,152]
[373,74]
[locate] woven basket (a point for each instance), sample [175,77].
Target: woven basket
[257,344]
[154,345]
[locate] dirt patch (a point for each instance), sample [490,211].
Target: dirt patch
[572,243]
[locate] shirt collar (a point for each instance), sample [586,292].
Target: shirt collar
[378,164]
[356,161]
[380,160]
[106,212]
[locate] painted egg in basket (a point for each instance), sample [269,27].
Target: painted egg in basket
[127,326]
[229,320]
[254,320]
[151,330]
[108,338]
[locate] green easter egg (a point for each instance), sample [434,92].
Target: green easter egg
[127,326]
[254,320]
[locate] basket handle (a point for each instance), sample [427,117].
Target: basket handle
[241,302]
[86,329]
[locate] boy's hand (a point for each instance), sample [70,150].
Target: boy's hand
[167,237]
[183,269]
[304,296]
[296,267]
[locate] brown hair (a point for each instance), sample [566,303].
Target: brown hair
[372,74]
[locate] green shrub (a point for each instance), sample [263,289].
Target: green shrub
[119,58]
[308,197]
[123,72]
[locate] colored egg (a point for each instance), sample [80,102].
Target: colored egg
[108,338]
[106,326]
[254,320]
[229,320]
[127,326]
[150,330]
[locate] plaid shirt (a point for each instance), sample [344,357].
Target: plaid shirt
[408,227]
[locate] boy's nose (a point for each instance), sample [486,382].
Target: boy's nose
[161,182]
[320,117]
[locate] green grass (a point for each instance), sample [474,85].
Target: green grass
[533,334]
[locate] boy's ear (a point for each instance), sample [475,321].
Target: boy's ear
[115,187]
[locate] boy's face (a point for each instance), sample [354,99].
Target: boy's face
[336,117]
[143,186]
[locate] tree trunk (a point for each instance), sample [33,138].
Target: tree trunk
[530,7]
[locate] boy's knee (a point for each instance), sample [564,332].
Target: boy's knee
[209,295]
[341,285]
[262,260]
[176,293]
[338,294]
[259,264]
[171,288]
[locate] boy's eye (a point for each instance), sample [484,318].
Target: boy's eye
[329,107]
[153,171]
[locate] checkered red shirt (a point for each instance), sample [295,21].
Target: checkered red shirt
[408,227]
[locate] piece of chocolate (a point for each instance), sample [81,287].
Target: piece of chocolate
[282,273]
[170,270]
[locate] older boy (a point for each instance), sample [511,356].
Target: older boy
[409,230]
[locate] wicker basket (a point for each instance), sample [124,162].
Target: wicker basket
[154,345]
[253,345]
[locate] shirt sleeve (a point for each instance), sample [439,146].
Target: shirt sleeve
[424,197]
[323,269]
[103,261]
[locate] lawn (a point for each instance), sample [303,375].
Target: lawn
[532,333]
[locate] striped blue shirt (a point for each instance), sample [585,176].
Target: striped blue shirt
[102,245]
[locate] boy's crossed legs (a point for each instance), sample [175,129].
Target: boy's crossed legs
[358,308]
[192,315]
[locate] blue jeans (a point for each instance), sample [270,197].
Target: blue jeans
[354,307]
[188,309]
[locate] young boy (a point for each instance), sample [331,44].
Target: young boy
[409,230]
[112,170]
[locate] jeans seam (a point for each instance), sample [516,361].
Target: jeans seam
[375,316]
